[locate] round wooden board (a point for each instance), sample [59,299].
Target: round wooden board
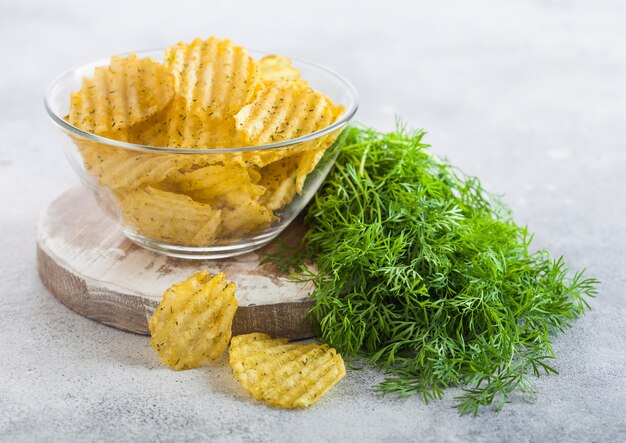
[90,266]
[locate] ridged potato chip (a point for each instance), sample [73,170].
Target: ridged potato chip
[194,132]
[275,68]
[215,77]
[309,159]
[121,168]
[198,131]
[284,111]
[307,162]
[279,180]
[155,131]
[246,217]
[264,157]
[221,185]
[285,178]
[284,374]
[231,188]
[193,322]
[125,93]
[170,217]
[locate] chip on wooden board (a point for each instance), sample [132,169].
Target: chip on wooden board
[284,374]
[193,322]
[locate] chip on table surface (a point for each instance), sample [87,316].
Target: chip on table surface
[193,322]
[283,374]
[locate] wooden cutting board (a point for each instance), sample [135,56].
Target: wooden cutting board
[90,266]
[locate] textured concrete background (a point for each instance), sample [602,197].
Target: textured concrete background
[531,97]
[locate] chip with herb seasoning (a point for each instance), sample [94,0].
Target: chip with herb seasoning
[250,216]
[221,185]
[215,77]
[168,216]
[186,130]
[279,181]
[127,92]
[119,168]
[284,111]
[276,68]
[283,374]
[193,322]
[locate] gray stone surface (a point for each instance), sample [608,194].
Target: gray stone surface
[530,96]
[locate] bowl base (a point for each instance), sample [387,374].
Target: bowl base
[202,252]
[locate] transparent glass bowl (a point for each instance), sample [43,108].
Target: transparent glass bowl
[255,185]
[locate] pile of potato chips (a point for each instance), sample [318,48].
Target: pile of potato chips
[193,324]
[206,94]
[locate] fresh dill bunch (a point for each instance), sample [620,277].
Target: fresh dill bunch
[427,276]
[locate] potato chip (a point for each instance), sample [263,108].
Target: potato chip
[198,131]
[284,111]
[285,178]
[284,374]
[155,131]
[215,77]
[220,185]
[124,168]
[279,180]
[275,68]
[231,188]
[264,157]
[246,218]
[170,217]
[308,160]
[127,92]
[257,340]
[193,322]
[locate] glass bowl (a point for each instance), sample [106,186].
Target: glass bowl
[254,185]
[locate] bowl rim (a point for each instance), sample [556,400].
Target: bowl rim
[351,109]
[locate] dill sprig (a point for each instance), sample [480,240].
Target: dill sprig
[427,276]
